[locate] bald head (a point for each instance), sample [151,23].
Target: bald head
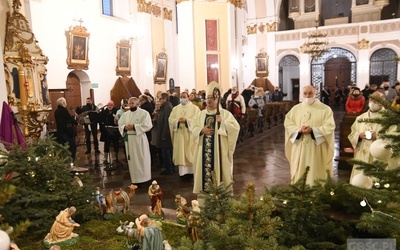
[309,91]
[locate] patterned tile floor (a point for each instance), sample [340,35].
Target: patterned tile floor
[259,159]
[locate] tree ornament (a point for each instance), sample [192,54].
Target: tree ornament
[377,184]
[332,193]
[363,203]
[387,185]
[362,181]
[378,151]
[4,241]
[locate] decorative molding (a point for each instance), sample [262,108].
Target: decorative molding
[251,29]
[261,28]
[145,7]
[363,44]
[236,3]
[156,10]
[167,14]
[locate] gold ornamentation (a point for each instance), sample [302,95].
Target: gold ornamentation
[167,14]
[145,7]
[24,71]
[363,44]
[252,29]
[262,64]
[261,28]
[236,3]
[156,10]
[316,43]
[123,67]
[271,27]
[78,48]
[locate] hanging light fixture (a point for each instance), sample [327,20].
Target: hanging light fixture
[316,42]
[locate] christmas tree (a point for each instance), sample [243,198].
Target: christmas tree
[231,223]
[44,185]
[304,220]
[383,199]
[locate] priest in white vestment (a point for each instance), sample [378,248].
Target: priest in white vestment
[180,124]
[215,137]
[309,138]
[133,126]
[362,135]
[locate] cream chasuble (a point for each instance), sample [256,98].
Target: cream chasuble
[302,150]
[361,146]
[181,136]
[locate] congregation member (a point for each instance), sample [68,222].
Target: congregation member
[91,127]
[363,134]
[309,138]
[66,126]
[215,135]
[124,107]
[173,99]
[108,118]
[388,93]
[355,102]
[150,98]
[145,104]
[180,124]
[277,95]
[236,104]
[195,101]
[257,102]
[247,93]
[326,95]
[133,126]
[366,92]
[164,142]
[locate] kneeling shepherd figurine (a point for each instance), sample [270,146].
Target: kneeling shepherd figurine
[61,231]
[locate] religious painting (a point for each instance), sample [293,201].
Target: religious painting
[212,68]
[78,48]
[262,65]
[123,58]
[161,68]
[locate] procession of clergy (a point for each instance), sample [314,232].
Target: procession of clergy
[202,141]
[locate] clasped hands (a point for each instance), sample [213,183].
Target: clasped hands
[182,120]
[129,127]
[305,130]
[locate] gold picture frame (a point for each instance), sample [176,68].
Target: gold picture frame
[78,48]
[123,67]
[161,68]
[262,65]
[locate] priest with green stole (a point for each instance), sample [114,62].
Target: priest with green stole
[215,132]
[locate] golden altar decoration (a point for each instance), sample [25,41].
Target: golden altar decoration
[25,74]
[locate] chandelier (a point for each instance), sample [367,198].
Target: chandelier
[316,42]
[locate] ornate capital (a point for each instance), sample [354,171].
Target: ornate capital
[363,44]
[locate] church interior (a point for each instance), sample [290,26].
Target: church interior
[114,50]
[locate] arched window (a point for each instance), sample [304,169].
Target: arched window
[383,67]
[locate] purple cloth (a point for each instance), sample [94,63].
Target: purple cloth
[10,132]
